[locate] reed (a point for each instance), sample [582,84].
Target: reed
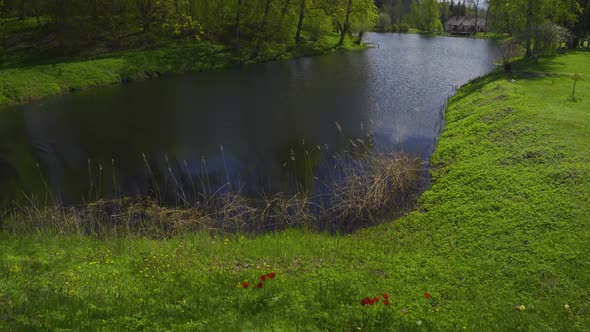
[362,189]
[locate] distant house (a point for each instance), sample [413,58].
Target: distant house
[464,25]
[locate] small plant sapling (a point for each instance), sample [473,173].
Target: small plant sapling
[575,77]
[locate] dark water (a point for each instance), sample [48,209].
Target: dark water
[245,125]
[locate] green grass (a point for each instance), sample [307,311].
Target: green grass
[28,83]
[505,224]
[21,84]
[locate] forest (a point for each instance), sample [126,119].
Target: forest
[82,27]
[71,27]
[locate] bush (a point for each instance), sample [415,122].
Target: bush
[395,28]
[509,50]
[404,27]
[548,38]
[383,22]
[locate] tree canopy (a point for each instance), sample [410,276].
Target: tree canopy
[71,26]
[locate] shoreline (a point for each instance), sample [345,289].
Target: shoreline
[20,85]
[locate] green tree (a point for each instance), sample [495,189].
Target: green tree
[426,15]
[384,22]
[525,16]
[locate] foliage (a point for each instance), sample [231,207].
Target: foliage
[384,22]
[509,50]
[531,19]
[73,28]
[548,38]
[426,16]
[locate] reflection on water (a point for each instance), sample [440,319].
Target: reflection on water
[259,127]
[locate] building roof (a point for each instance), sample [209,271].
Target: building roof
[468,21]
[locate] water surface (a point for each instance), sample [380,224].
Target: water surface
[245,125]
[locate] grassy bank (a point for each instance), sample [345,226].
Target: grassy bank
[21,83]
[499,243]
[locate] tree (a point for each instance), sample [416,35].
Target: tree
[256,25]
[346,25]
[548,37]
[3,13]
[426,15]
[576,77]
[300,21]
[238,19]
[384,22]
[524,16]
[475,4]
[508,51]
[581,28]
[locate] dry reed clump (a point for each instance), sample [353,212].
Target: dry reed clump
[367,189]
[374,187]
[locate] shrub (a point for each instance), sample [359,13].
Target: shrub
[383,22]
[404,27]
[509,50]
[548,38]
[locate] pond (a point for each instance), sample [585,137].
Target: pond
[242,126]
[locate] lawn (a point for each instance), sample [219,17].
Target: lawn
[499,243]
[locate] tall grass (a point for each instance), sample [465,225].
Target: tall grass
[361,190]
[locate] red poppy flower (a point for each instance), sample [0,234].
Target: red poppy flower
[373,300]
[386,296]
[263,278]
[271,275]
[259,285]
[427,295]
[245,284]
[365,301]
[386,302]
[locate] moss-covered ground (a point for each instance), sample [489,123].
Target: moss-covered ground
[499,243]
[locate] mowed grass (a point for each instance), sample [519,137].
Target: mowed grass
[505,225]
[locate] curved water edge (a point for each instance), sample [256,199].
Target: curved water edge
[268,128]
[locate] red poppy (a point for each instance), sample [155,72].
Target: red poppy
[373,300]
[259,285]
[386,296]
[427,295]
[245,284]
[271,275]
[263,278]
[365,301]
[386,302]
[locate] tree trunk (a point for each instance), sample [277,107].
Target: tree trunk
[23,10]
[262,29]
[360,39]
[476,17]
[285,8]
[529,27]
[485,28]
[300,22]
[346,25]
[238,21]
